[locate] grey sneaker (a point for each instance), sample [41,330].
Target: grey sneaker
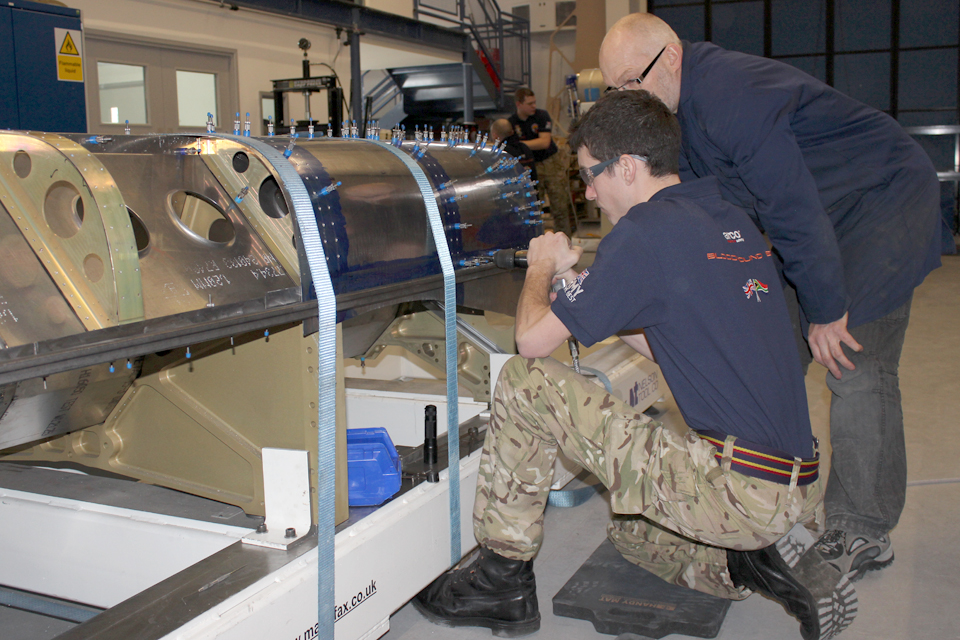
[855,554]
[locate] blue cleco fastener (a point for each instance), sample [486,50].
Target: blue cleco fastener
[330,188]
[293,142]
[270,125]
[98,139]
[241,195]
[236,124]
[246,126]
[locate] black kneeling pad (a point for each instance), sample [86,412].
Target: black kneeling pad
[621,598]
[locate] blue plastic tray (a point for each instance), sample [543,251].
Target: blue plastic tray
[373,467]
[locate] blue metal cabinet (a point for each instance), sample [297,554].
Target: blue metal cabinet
[9,106]
[41,101]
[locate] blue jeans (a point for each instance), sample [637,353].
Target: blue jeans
[867,486]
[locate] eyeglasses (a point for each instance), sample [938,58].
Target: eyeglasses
[639,79]
[588,174]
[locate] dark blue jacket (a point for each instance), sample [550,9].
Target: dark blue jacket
[849,201]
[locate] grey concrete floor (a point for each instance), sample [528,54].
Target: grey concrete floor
[917,597]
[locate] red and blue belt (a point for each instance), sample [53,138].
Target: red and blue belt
[764,463]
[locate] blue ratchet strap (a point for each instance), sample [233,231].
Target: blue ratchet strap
[571,497]
[450,332]
[327,382]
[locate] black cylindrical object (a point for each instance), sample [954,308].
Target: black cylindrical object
[510,258]
[430,435]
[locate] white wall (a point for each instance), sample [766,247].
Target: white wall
[266,45]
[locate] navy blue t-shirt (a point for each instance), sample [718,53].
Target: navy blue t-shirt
[848,199]
[696,275]
[531,128]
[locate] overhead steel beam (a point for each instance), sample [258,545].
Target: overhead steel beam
[352,17]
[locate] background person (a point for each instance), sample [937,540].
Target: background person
[502,130]
[535,129]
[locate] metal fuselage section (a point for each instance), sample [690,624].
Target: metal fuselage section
[155,312]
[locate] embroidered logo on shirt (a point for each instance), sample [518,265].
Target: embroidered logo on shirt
[573,289]
[732,236]
[755,287]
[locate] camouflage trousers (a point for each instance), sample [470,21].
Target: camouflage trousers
[676,510]
[555,182]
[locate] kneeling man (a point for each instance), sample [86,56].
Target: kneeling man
[686,279]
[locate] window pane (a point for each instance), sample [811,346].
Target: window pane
[686,21]
[815,66]
[739,27]
[927,23]
[921,118]
[122,93]
[196,97]
[941,150]
[267,109]
[862,24]
[797,26]
[928,79]
[865,77]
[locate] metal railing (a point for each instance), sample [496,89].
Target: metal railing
[384,96]
[501,40]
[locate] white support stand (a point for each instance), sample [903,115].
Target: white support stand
[286,492]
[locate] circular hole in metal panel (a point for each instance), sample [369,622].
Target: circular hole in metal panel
[22,164]
[63,209]
[221,231]
[202,217]
[241,162]
[140,233]
[271,199]
[93,267]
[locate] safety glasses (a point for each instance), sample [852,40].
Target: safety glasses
[588,174]
[639,79]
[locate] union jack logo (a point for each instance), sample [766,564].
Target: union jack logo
[754,286]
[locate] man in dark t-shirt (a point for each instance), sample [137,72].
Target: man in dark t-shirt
[535,129]
[717,505]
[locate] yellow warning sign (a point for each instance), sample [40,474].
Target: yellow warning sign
[68,48]
[69,53]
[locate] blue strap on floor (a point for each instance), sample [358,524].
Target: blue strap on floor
[327,381]
[571,497]
[450,332]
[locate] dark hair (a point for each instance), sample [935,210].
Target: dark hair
[520,95]
[632,123]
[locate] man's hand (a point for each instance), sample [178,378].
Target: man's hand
[553,252]
[825,339]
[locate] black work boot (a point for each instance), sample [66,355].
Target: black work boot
[818,595]
[493,592]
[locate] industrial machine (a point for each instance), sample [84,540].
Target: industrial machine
[162,320]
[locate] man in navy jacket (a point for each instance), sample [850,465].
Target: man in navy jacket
[851,205]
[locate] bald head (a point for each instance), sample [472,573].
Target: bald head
[501,129]
[631,45]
